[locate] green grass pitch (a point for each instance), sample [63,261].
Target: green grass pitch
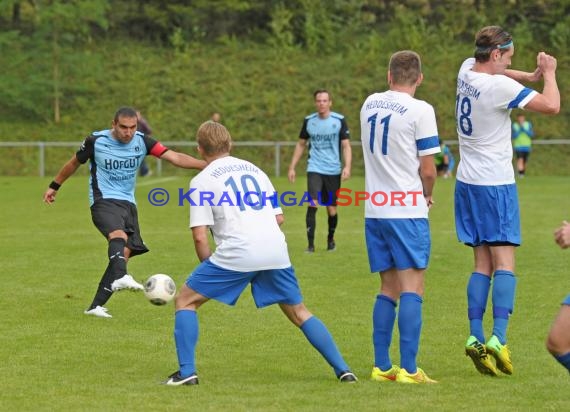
[55,358]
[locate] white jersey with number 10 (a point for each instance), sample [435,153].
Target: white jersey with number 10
[237,201]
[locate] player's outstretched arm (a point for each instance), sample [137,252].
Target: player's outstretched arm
[64,173]
[524,77]
[183,160]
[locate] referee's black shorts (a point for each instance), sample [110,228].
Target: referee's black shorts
[109,215]
[323,188]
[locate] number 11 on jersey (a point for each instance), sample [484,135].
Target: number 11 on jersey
[385,122]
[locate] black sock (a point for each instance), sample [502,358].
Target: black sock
[116,269]
[311,222]
[333,221]
[104,291]
[117,262]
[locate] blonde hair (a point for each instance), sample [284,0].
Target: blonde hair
[405,67]
[213,138]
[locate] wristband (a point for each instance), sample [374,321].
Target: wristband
[54,185]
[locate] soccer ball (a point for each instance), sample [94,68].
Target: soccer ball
[159,289]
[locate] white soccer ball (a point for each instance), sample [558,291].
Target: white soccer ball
[159,289]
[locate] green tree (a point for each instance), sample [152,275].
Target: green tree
[57,28]
[66,24]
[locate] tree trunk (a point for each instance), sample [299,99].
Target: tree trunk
[16,15]
[56,78]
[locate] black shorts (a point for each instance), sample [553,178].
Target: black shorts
[109,215]
[522,155]
[323,188]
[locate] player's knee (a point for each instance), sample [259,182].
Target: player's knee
[188,299]
[557,342]
[184,303]
[391,289]
[552,344]
[297,314]
[118,234]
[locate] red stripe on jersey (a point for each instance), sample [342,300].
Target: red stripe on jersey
[158,149]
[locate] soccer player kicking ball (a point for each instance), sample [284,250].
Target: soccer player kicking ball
[251,249]
[399,140]
[115,156]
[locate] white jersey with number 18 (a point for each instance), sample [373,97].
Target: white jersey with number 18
[482,109]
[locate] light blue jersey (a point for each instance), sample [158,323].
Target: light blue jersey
[114,165]
[325,136]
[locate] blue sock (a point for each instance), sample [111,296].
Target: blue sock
[477,294]
[186,337]
[383,318]
[318,335]
[504,284]
[564,360]
[410,326]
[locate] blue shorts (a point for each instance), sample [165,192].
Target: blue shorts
[487,215]
[566,301]
[397,243]
[224,285]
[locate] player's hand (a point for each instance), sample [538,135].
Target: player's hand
[291,175]
[546,62]
[49,196]
[562,235]
[430,202]
[345,173]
